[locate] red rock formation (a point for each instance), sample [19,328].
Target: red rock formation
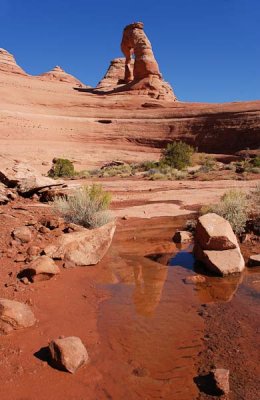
[115,74]
[145,77]
[8,63]
[58,74]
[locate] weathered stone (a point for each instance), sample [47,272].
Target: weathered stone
[85,247]
[215,233]
[33,251]
[68,353]
[222,262]
[23,234]
[216,245]
[42,268]
[221,379]
[254,260]
[182,237]
[14,315]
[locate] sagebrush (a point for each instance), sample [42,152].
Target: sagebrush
[88,206]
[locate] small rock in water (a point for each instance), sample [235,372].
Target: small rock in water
[68,353]
[254,261]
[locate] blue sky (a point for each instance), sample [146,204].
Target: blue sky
[209,50]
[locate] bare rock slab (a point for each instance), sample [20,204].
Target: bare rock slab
[40,269]
[68,353]
[15,315]
[85,247]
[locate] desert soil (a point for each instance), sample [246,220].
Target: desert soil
[129,310]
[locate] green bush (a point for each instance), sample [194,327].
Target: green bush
[61,167]
[177,155]
[234,207]
[256,162]
[88,206]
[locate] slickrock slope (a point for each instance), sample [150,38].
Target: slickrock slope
[8,63]
[41,119]
[58,74]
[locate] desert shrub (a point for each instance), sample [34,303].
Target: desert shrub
[255,170]
[234,207]
[177,155]
[256,161]
[209,164]
[254,199]
[61,167]
[123,170]
[147,165]
[88,206]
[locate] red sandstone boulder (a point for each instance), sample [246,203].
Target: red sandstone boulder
[68,353]
[85,247]
[22,234]
[216,245]
[40,269]
[14,315]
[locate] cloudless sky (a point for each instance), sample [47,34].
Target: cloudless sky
[209,50]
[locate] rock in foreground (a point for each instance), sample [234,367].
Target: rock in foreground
[254,260]
[86,247]
[14,315]
[68,353]
[40,269]
[216,245]
[25,178]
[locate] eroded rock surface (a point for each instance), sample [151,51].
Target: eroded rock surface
[58,74]
[14,315]
[8,63]
[68,353]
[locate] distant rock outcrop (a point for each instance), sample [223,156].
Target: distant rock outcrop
[8,63]
[58,74]
[115,74]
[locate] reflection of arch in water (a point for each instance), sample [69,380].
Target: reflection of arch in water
[149,281]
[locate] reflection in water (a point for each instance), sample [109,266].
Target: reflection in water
[149,282]
[215,289]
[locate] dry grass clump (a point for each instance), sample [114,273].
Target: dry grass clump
[88,206]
